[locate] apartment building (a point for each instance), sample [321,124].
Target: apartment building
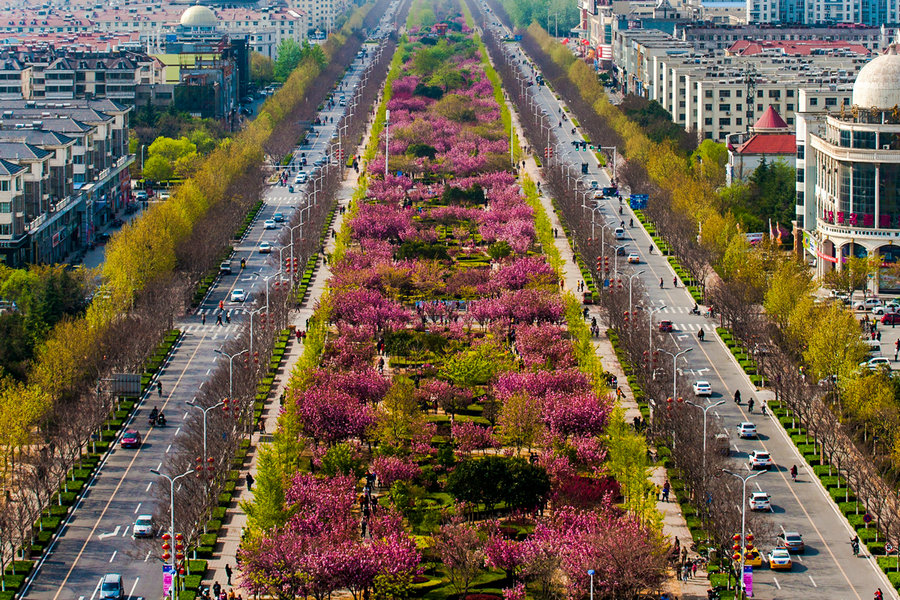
[710,38]
[865,12]
[12,206]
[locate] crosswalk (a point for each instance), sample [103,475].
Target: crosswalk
[674,313]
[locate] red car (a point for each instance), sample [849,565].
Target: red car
[130,439]
[665,326]
[890,318]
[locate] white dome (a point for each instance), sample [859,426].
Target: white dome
[878,83]
[199,17]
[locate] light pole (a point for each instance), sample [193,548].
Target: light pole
[193,404]
[744,479]
[387,124]
[230,358]
[630,282]
[591,575]
[675,368]
[650,345]
[252,313]
[172,481]
[705,410]
[613,148]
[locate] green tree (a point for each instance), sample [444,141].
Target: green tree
[398,413]
[289,55]
[158,168]
[343,459]
[790,282]
[520,421]
[627,461]
[478,365]
[835,346]
[267,511]
[494,479]
[262,69]
[853,274]
[171,149]
[709,160]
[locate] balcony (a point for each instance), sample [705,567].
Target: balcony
[858,155]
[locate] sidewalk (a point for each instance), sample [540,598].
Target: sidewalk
[674,525]
[236,519]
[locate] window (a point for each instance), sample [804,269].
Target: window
[759,107]
[830,101]
[5,229]
[813,101]
[724,121]
[724,107]
[707,107]
[739,121]
[801,197]
[801,151]
[5,207]
[724,93]
[800,175]
[4,186]
[864,139]
[707,121]
[845,139]
[790,93]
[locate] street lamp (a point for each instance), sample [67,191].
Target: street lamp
[172,481]
[650,345]
[387,123]
[591,575]
[705,410]
[193,404]
[252,313]
[230,358]
[744,479]
[675,368]
[630,282]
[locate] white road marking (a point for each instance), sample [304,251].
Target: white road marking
[203,383]
[125,533]
[169,448]
[146,558]
[185,416]
[149,485]
[103,536]
[137,508]
[757,486]
[133,586]
[113,557]
[208,370]
[159,466]
[778,585]
[812,581]
[177,431]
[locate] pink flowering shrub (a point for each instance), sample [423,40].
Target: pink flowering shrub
[391,469]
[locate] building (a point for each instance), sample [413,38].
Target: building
[770,139]
[865,12]
[65,165]
[715,95]
[848,173]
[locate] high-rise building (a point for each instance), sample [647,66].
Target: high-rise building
[866,12]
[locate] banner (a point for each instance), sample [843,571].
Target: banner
[748,581]
[754,238]
[168,579]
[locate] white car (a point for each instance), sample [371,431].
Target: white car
[746,430]
[238,295]
[877,362]
[702,388]
[634,259]
[143,527]
[619,232]
[760,460]
[881,309]
[270,224]
[760,501]
[265,248]
[867,304]
[301,177]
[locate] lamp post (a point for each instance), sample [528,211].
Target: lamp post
[630,282]
[193,404]
[591,575]
[705,410]
[172,481]
[744,479]
[675,368]
[252,313]
[387,124]
[230,358]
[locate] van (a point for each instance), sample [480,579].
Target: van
[620,233]
[111,587]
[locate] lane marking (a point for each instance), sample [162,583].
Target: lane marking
[113,557]
[149,485]
[103,536]
[813,581]
[778,585]
[96,588]
[137,508]
[133,586]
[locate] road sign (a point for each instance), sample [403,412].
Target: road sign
[867,518]
[126,384]
[638,201]
[168,579]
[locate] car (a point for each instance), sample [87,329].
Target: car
[780,560]
[883,309]
[225,267]
[760,501]
[140,195]
[619,232]
[622,251]
[320,161]
[634,259]
[342,102]
[702,388]
[594,184]
[270,224]
[665,326]
[278,217]
[752,558]
[877,362]
[111,587]
[143,527]
[746,430]
[164,196]
[238,295]
[760,460]
[301,176]
[867,304]
[265,248]
[891,318]
[130,439]
[792,541]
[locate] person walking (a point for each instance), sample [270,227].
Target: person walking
[249,482]
[219,319]
[228,573]
[159,387]
[737,396]
[217,589]
[794,473]
[665,491]
[203,319]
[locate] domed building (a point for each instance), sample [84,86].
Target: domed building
[198,18]
[854,156]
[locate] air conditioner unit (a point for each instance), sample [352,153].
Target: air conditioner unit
[886,147]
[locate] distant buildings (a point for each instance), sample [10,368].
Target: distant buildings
[770,139]
[865,12]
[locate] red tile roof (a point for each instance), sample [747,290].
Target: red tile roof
[794,47]
[769,143]
[771,120]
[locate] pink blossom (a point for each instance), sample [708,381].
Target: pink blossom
[390,469]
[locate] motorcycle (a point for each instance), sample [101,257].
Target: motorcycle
[695,310]
[161,420]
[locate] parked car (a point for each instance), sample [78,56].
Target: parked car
[760,501]
[792,541]
[238,295]
[111,587]
[665,326]
[634,259]
[891,318]
[130,439]
[270,224]
[760,460]
[746,430]
[883,309]
[877,362]
[752,558]
[265,248]
[867,304]
[140,195]
[780,560]
[143,527]
[702,388]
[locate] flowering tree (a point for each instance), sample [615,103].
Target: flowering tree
[331,416]
[391,468]
[461,550]
[469,436]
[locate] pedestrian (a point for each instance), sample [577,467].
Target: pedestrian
[665,491]
[159,387]
[221,304]
[228,573]
[219,319]
[249,482]
[217,589]
[694,567]
[228,317]
[879,595]
[794,473]
[231,595]
[203,319]
[878,336]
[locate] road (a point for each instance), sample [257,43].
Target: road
[97,538]
[828,568]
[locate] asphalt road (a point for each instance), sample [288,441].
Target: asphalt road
[828,568]
[97,538]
